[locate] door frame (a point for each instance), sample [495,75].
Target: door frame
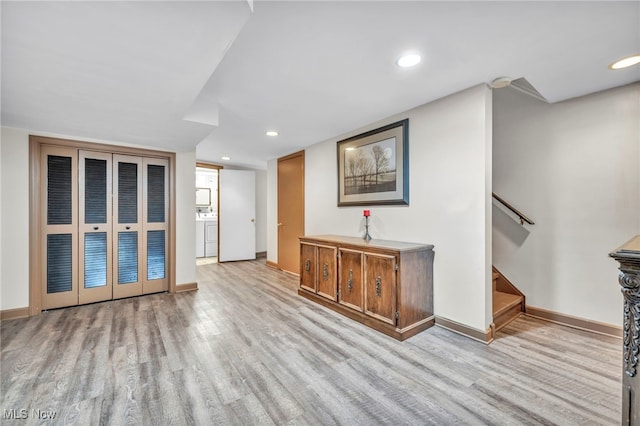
[218,168]
[35,204]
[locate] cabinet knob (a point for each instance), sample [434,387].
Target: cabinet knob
[307,265]
[378,286]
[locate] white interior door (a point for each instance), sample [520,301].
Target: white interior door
[236,215]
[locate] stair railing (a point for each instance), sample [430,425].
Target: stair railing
[521,215]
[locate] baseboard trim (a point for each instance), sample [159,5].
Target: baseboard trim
[261,254]
[15,313]
[485,337]
[186,287]
[275,266]
[574,322]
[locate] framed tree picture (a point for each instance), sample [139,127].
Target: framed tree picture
[373,167]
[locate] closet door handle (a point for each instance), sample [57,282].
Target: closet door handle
[95,228]
[127,227]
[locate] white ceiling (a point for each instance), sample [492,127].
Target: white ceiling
[218,75]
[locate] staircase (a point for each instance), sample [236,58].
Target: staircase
[508,301]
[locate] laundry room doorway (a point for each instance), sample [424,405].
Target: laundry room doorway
[206,213]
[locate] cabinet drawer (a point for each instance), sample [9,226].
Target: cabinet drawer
[308,267]
[326,282]
[350,279]
[380,287]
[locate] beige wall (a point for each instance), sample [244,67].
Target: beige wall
[574,168]
[450,200]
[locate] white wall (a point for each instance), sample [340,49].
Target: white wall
[261,211]
[450,196]
[14,285]
[272,210]
[573,168]
[1,218]
[208,178]
[15,219]
[1,184]
[185,217]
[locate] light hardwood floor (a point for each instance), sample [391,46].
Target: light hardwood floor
[246,349]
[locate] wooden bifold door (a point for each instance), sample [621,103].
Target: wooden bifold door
[104,224]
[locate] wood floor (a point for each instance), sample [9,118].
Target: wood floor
[246,349]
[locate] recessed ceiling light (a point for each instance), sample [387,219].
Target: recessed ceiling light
[410,60]
[226,158]
[272,133]
[625,62]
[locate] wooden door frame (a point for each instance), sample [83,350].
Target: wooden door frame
[285,158]
[35,174]
[218,168]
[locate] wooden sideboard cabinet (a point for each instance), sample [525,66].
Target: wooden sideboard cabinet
[386,285]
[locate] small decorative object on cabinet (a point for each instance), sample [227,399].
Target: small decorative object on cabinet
[366,215]
[386,285]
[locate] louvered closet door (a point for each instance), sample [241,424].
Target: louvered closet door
[95,238]
[59,226]
[155,225]
[127,226]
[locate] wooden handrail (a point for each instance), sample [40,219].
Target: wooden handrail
[522,217]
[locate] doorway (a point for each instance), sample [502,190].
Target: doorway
[206,213]
[290,210]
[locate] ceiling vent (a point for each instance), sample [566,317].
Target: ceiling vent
[524,86]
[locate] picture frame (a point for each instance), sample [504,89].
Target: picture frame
[373,167]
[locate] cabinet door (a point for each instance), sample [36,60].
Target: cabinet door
[380,286]
[155,213]
[127,226]
[327,286]
[95,239]
[308,267]
[59,229]
[350,279]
